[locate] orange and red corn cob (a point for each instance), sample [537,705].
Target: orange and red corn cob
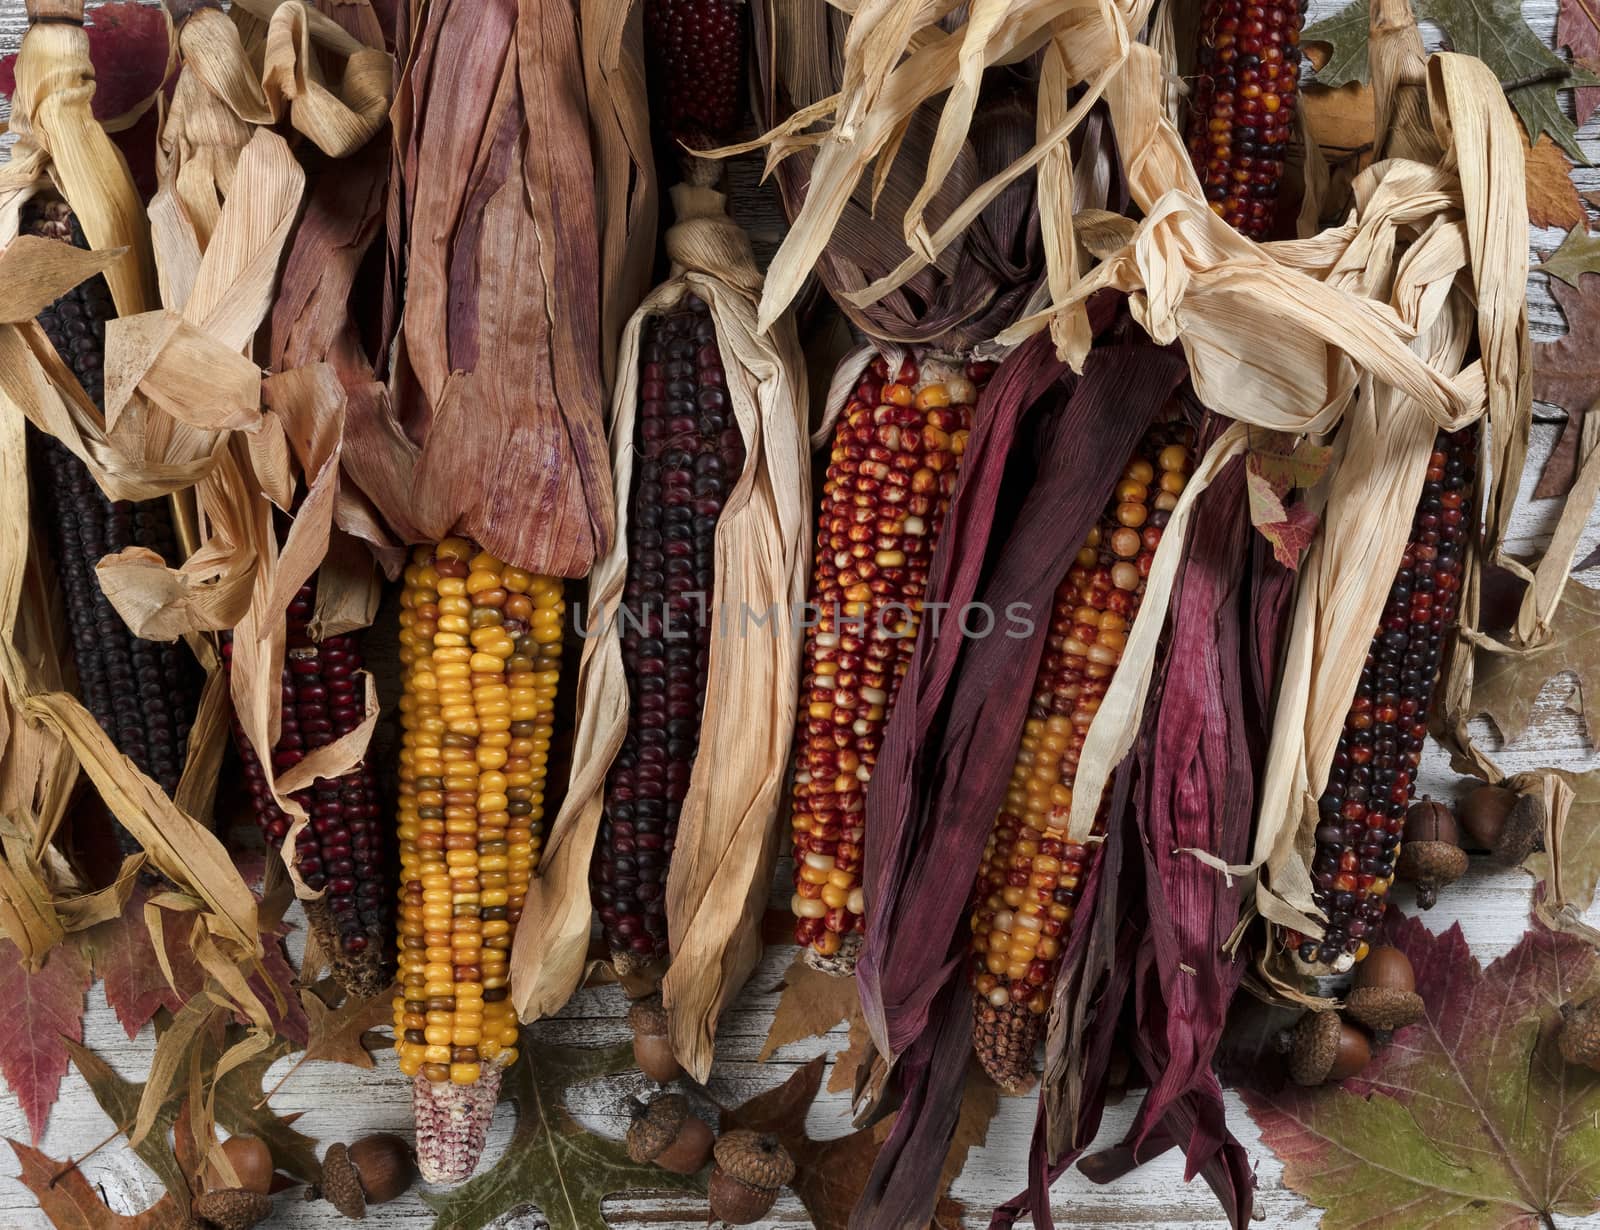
[888,484]
[1031,874]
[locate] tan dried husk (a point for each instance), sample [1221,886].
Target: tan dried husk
[493,426]
[727,833]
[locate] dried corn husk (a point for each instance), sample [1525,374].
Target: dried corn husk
[726,844]
[496,387]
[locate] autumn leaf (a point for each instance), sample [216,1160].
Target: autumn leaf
[1266,501]
[1580,842]
[1508,683]
[1492,30]
[43,1010]
[1470,1118]
[553,1162]
[847,1063]
[125,959]
[1566,372]
[1340,120]
[338,1034]
[1578,30]
[1578,254]
[1291,536]
[1552,196]
[812,1003]
[71,1204]
[119,1098]
[1275,465]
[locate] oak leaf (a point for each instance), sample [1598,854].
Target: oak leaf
[1580,842]
[1508,683]
[43,1011]
[553,1163]
[338,1034]
[1566,373]
[70,1203]
[119,1098]
[811,1004]
[1578,254]
[1470,1118]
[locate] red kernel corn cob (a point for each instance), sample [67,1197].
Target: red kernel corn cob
[1241,117]
[697,54]
[480,647]
[888,484]
[1363,808]
[1031,874]
[341,850]
[688,455]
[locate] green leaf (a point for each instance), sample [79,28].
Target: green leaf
[1508,683]
[119,1098]
[553,1162]
[1345,33]
[1492,30]
[1578,254]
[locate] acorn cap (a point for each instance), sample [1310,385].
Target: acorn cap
[1430,865]
[1523,831]
[656,1126]
[1384,1008]
[232,1208]
[755,1159]
[341,1185]
[1580,1034]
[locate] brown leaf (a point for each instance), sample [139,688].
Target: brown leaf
[1580,842]
[338,1034]
[1552,196]
[125,959]
[847,1063]
[812,1003]
[1578,30]
[70,1203]
[1508,684]
[1561,467]
[1341,120]
[979,1105]
[1566,372]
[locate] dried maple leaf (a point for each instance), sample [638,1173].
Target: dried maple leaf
[1578,254]
[1469,1119]
[70,1203]
[1578,30]
[125,959]
[1492,30]
[812,1003]
[43,1011]
[1275,465]
[553,1163]
[1508,684]
[1552,196]
[1291,536]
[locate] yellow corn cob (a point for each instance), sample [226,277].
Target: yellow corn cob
[480,651]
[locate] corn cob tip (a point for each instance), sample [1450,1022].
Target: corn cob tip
[360,973]
[841,964]
[452,1124]
[1005,1039]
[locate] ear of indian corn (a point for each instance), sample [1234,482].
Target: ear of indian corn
[340,851]
[480,651]
[697,54]
[888,485]
[688,453]
[1031,874]
[1241,114]
[142,693]
[1362,811]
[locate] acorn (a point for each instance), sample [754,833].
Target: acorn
[652,1050]
[374,1170]
[251,1161]
[1385,997]
[667,1133]
[1326,1048]
[750,1169]
[1507,824]
[232,1208]
[1430,850]
[1580,1034]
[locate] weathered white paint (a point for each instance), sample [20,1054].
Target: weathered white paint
[340,1103]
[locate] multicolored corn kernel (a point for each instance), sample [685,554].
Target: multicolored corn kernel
[341,849]
[1241,114]
[890,476]
[480,652]
[142,693]
[1031,875]
[688,454]
[1362,811]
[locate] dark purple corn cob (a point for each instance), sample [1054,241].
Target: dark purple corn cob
[341,849]
[142,693]
[688,455]
[1363,810]
[697,54]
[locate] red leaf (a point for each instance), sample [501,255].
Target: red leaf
[125,959]
[42,1008]
[289,1016]
[66,1198]
[1577,30]
[128,47]
[1291,537]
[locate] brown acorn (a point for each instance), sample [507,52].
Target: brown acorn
[232,1208]
[374,1170]
[750,1169]
[1385,997]
[251,1161]
[1580,1034]
[1430,850]
[652,1050]
[667,1133]
[1507,824]
[1326,1048]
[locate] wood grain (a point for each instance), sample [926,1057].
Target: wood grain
[339,1103]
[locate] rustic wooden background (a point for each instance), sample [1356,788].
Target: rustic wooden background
[341,1103]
